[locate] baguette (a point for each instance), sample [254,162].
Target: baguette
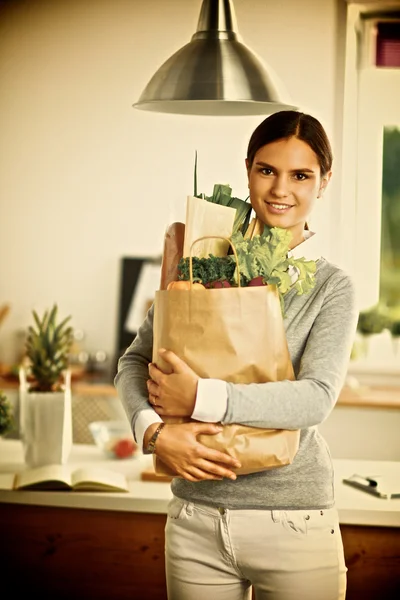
[173,252]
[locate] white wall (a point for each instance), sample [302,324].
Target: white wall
[85,179]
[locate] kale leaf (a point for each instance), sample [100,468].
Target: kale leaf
[208,269]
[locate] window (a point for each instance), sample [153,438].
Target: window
[378,122]
[389,290]
[370,209]
[388,44]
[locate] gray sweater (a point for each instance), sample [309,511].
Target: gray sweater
[320,328]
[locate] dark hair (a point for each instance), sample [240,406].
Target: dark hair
[290,123]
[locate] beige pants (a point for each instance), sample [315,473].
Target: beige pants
[218,554]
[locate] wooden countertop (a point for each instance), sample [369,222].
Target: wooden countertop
[361,396]
[372,397]
[355,507]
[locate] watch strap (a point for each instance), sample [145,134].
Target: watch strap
[151,446]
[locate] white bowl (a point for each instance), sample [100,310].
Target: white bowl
[114,438]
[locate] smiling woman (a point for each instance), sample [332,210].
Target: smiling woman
[288,166]
[289,513]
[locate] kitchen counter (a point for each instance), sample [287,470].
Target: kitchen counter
[355,507]
[97,546]
[143,496]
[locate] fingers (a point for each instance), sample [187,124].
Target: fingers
[153,390]
[191,459]
[204,469]
[152,387]
[177,364]
[208,428]
[215,456]
[197,474]
[155,373]
[153,400]
[214,462]
[215,470]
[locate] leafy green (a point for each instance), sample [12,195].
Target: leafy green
[306,270]
[208,269]
[267,255]
[264,255]
[222,194]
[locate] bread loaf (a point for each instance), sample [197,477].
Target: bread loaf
[173,252]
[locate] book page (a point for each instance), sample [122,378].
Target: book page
[47,477]
[7,481]
[90,479]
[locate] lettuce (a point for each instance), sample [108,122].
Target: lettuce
[266,255]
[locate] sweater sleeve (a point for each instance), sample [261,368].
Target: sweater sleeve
[132,375]
[309,400]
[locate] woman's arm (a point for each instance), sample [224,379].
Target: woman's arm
[284,404]
[309,400]
[177,446]
[130,380]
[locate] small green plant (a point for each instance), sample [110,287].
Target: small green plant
[395,329]
[47,349]
[6,417]
[373,321]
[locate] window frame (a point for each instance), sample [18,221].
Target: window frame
[360,213]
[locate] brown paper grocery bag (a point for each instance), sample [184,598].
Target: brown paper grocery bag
[209,223]
[235,334]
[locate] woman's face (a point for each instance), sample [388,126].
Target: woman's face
[284,183]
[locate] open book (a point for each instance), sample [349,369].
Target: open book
[62,477]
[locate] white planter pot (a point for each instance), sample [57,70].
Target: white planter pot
[45,424]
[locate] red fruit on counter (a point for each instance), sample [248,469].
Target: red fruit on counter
[124,448]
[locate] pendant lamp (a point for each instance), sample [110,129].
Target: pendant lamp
[215,73]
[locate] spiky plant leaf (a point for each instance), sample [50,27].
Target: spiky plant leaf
[47,348]
[6,416]
[242,216]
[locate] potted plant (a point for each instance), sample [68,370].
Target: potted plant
[372,323]
[45,391]
[6,417]
[395,333]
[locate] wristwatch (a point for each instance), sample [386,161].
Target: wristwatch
[151,446]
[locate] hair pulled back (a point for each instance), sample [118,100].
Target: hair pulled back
[291,123]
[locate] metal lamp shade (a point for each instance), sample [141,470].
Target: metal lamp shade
[214,74]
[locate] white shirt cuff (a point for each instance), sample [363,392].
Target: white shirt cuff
[211,401]
[145,419]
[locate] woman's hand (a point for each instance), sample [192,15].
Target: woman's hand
[172,394]
[177,446]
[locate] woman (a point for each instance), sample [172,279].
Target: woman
[276,530]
